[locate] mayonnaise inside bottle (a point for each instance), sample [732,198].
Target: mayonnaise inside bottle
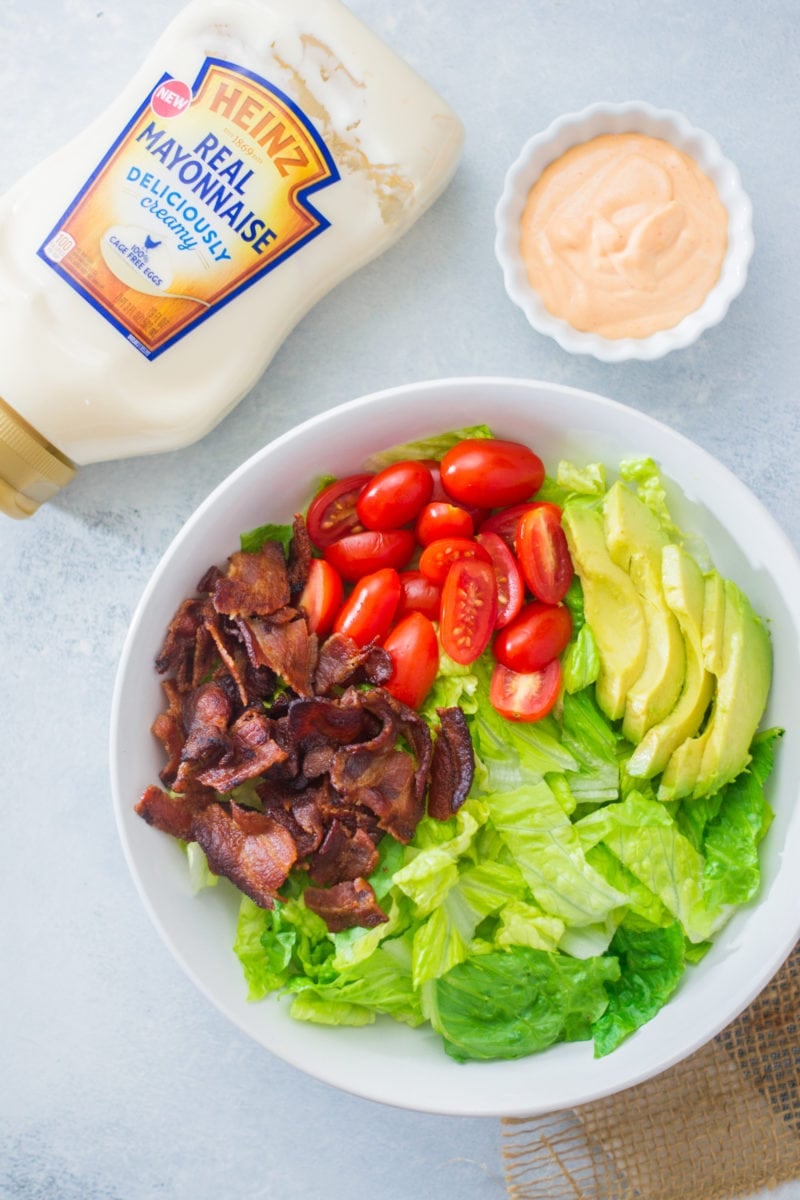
[150,269]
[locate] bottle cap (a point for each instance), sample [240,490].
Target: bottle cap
[31,470]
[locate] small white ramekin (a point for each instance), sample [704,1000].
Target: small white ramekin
[572,130]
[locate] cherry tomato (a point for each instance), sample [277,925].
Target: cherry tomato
[418,594]
[369,610]
[322,596]
[394,496]
[544,555]
[440,519]
[538,635]
[478,514]
[527,697]
[490,472]
[332,512]
[510,587]
[414,649]
[469,608]
[506,521]
[361,554]
[437,558]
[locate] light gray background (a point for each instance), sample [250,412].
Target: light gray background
[118,1081]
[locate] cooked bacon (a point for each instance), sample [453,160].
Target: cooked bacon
[314,720]
[343,855]
[299,555]
[343,662]
[452,766]
[171,814]
[232,654]
[209,580]
[187,651]
[255,584]
[345,905]
[247,847]
[207,712]
[288,649]
[253,750]
[168,728]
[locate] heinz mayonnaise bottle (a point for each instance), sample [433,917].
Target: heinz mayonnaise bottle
[150,269]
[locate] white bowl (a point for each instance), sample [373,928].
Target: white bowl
[574,129]
[390,1062]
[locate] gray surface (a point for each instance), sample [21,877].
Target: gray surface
[117,1079]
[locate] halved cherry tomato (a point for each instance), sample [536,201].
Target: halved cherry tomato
[544,555]
[490,472]
[322,596]
[469,608]
[418,594]
[437,558]
[506,521]
[332,513]
[440,519]
[539,634]
[369,610]
[527,697]
[361,554]
[510,587]
[478,514]
[414,649]
[395,496]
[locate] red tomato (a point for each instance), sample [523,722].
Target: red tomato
[490,472]
[441,519]
[322,596]
[437,558]
[506,521]
[538,635]
[510,588]
[526,697]
[369,610]
[395,496]
[332,512]
[418,594]
[361,554]
[469,608]
[543,554]
[414,649]
[478,514]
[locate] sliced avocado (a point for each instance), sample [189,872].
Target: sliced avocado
[612,607]
[741,696]
[684,591]
[714,622]
[635,540]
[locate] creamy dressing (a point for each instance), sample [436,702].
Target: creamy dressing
[623,235]
[89,272]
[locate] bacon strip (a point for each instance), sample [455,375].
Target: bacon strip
[345,905]
[453,765]
[255,584]
[249,848]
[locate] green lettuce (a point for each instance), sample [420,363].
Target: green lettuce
[652,963]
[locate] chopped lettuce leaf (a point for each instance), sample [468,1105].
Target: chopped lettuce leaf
[651,967]
[510,1003]
[583,481]
[581,663]
[524,924]
[435,446]
[381,983]
[200,874]
[254,539]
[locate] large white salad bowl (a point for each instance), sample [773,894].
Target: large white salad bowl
[389,1062]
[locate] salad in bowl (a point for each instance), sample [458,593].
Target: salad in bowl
[478,732]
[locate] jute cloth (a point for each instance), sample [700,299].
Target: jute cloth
[723,1124]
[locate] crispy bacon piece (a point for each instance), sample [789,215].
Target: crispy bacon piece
[171,814]
[286,648]
[247,847]
[343,855]
[253,751]
[168,728]
[345,905]
[207,712]
[254,584]
[343,662]
[452,766]
[188,650]
[299,555]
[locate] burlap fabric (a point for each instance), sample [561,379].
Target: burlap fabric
[723,1124]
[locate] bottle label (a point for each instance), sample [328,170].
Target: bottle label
[206,188]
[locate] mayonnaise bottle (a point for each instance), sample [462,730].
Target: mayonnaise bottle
[150,269]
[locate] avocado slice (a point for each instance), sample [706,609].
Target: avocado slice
[684,590]
[612,607]
[706,763]
[714,622]
[635,540]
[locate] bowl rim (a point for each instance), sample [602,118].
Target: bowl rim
[370,1085]
[632,116]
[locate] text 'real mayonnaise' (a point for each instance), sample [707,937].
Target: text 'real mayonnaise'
[150,269]
[623,236]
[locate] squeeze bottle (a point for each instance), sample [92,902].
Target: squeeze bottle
[150,269]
